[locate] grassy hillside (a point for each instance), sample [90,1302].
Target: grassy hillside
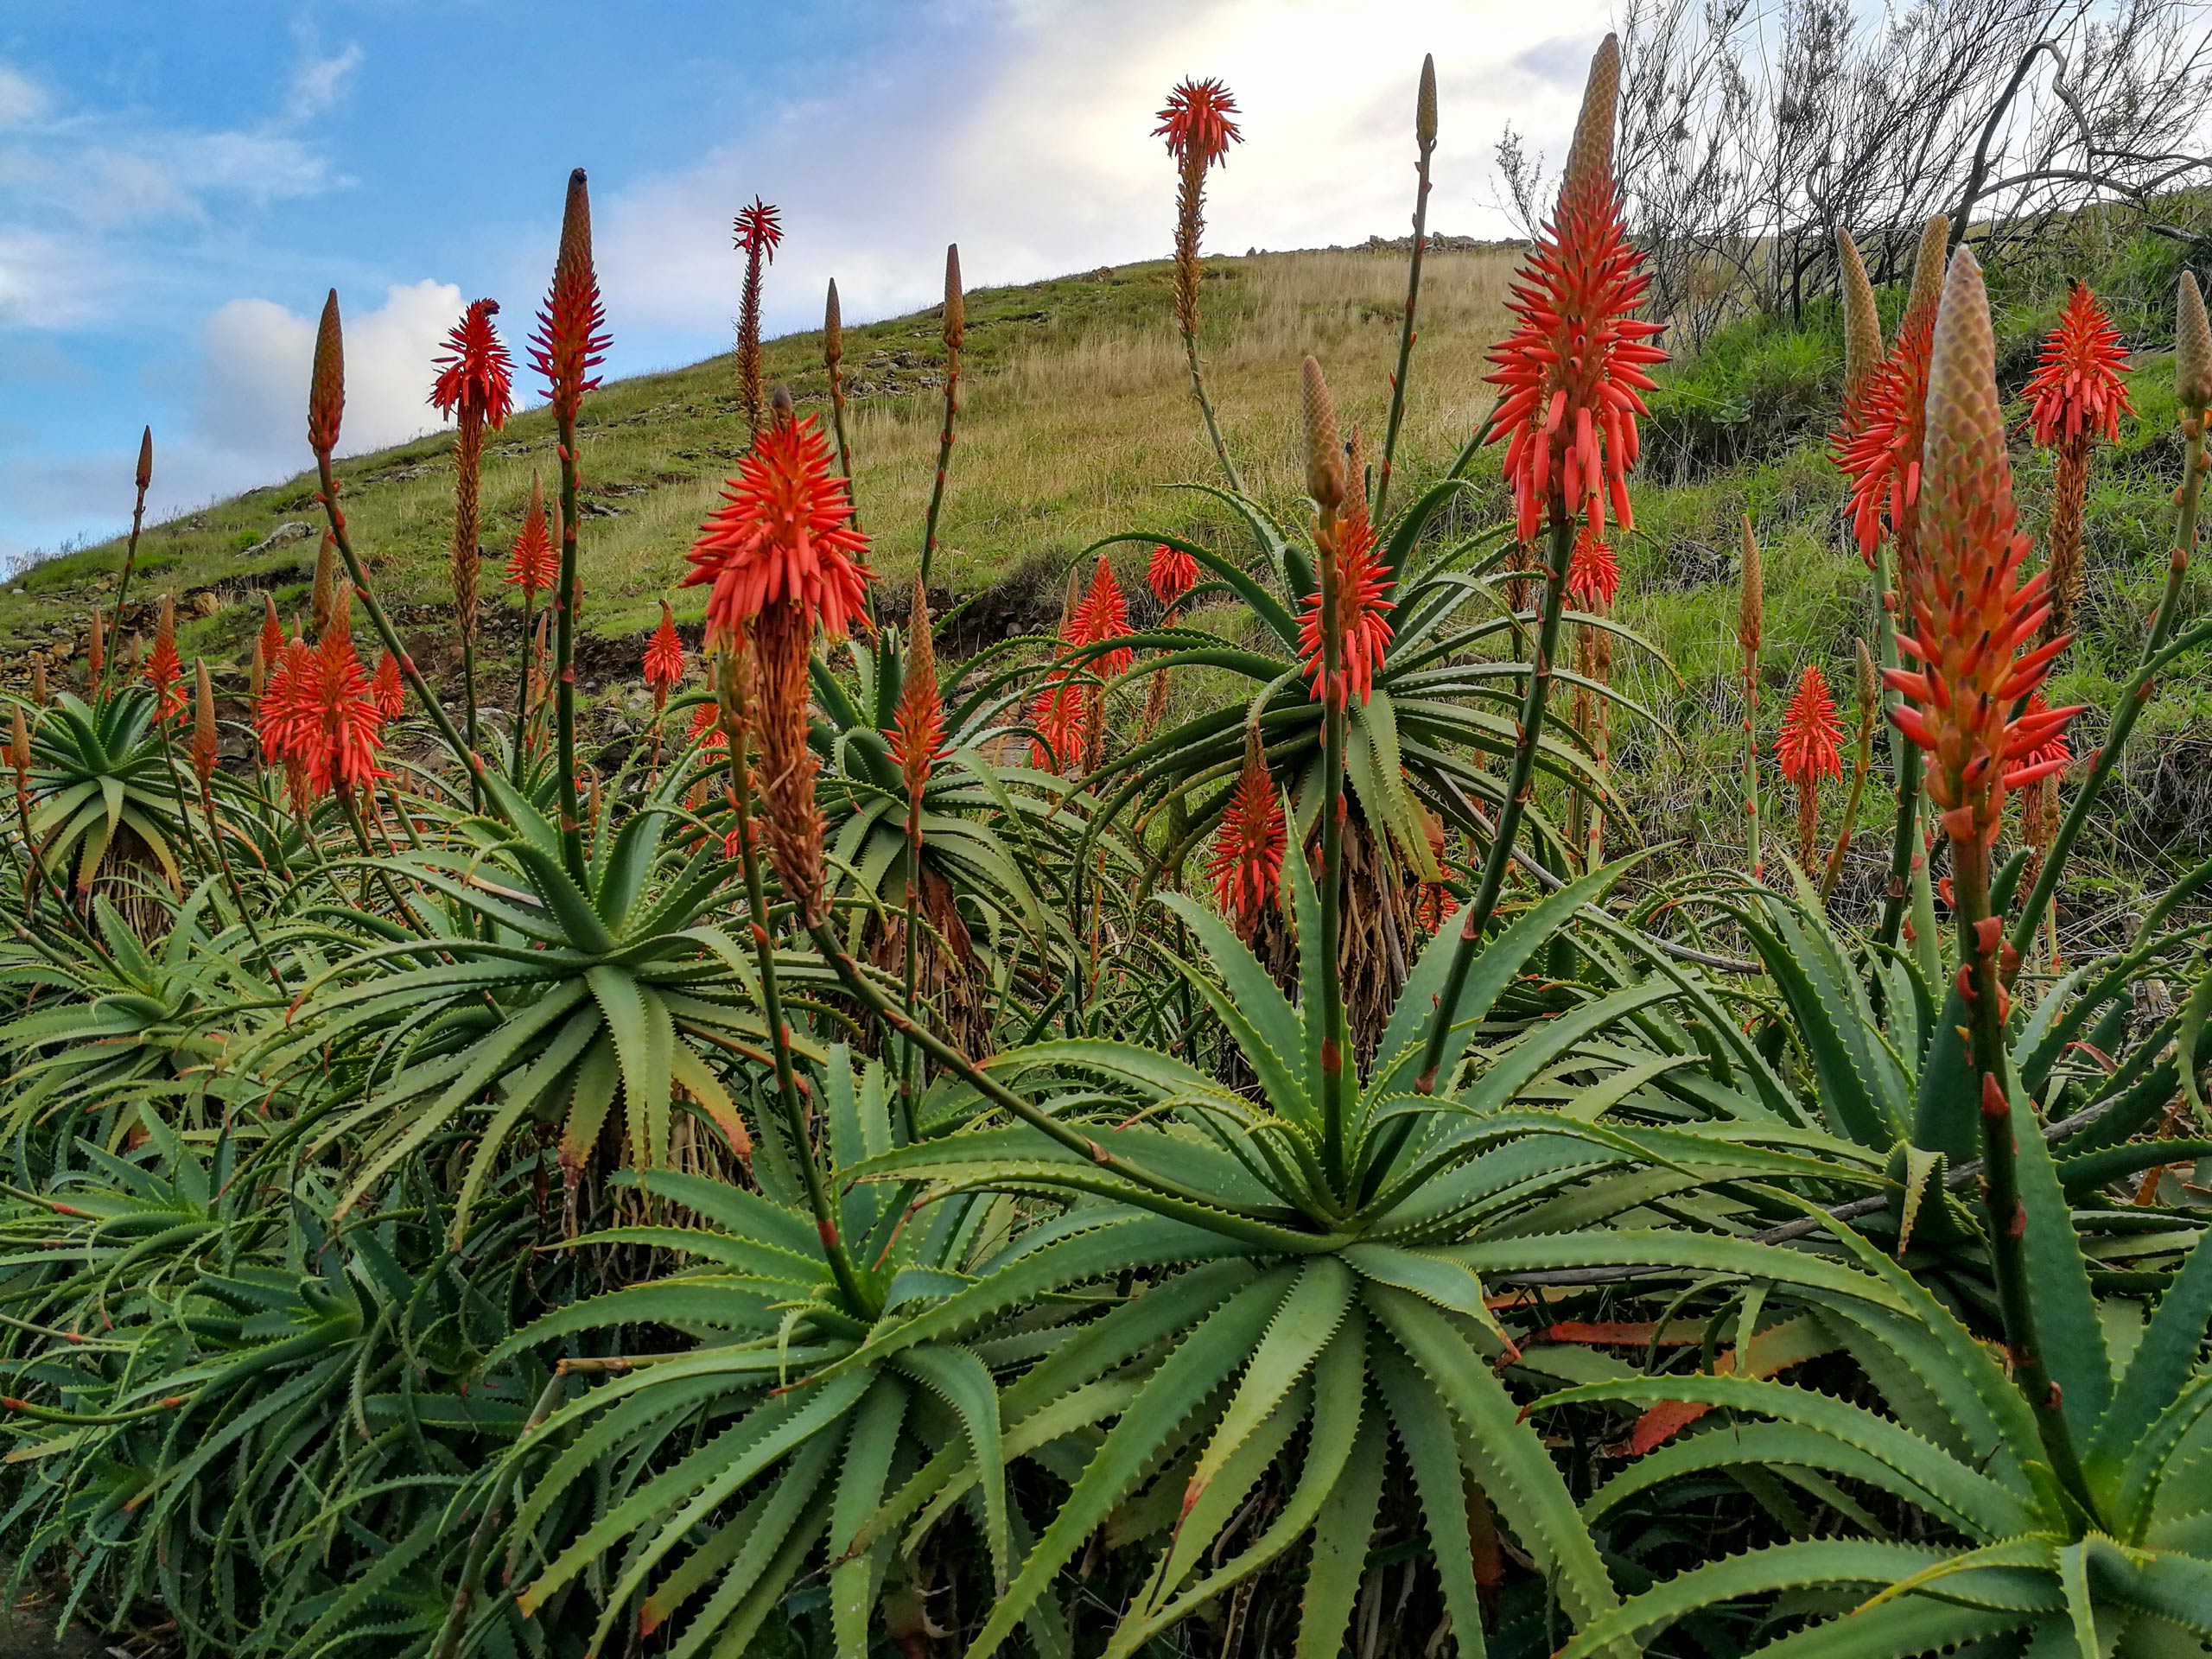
[1075,408]
[1076,416]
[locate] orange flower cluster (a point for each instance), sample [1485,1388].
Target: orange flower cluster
[1879,446]
[1972,614]
[1593,575]
[918,726]
[1247,861]
[1573,369]
[1809,745]
[571,338]
[320,717]
[1364,606]
[2077,391]
[784,532]
[1104,615]
[1195,123]
[163,670]
[475,376]
[532,564]
[664,658]
[1171,574]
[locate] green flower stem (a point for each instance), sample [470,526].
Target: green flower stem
[1519,784]
[1405,333]
[2132,700]
[1906,758]
[381,623]
[849,1289]
[909,1055]
[238,893]
[123,585]
[943,460]
[1862,762]
[1335,1039]
[2000,1187]
[522,692]
[564,650]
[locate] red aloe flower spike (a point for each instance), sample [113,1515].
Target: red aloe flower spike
[758,230]
[1970,613]
[272,639]
[347,722]
[475,376]
[1104,615]
[1198,130]
[1172,573]
[1809,750]
[1247,861]
[918,727]
[571,338]
[389,691]
[532,564]
[205,748]
[2075,396]
[164,671]
[1878,444]
[1593,576]
[1057,712]
[1195,123]
[705,724]
[664,658]
[95,648]
[784,531]
[327,387]
[1572,370]
[1809,746]
[1363,605]
[285,703]
[2076,391]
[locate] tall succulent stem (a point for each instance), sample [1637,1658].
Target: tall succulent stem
[130,553]
[954,329]
[1336,1042]
[564,650]
[2000,1185]
[2040,897]
[841,1269]
[1425,138]
[522,691]
[1520,781]
[362,590]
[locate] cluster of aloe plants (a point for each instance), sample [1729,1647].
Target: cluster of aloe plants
[834,1176]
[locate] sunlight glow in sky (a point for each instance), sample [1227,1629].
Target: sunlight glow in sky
[179,185]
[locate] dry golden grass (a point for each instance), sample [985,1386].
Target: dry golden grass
[1075,412]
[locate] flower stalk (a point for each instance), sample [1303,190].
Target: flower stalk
[1196,125]
[955,331]
[144,478]
[569,343]
[1750,622]
[1425,146]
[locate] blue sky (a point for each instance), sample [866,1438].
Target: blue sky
[179,183]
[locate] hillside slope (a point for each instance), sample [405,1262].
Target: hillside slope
[1076,422]
[1075,408]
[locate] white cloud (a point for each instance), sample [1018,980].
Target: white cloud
[1022,131]
[245,414]
[49,281]
[318,82]
[254,360]
[23,102]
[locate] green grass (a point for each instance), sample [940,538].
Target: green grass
[1076,418]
